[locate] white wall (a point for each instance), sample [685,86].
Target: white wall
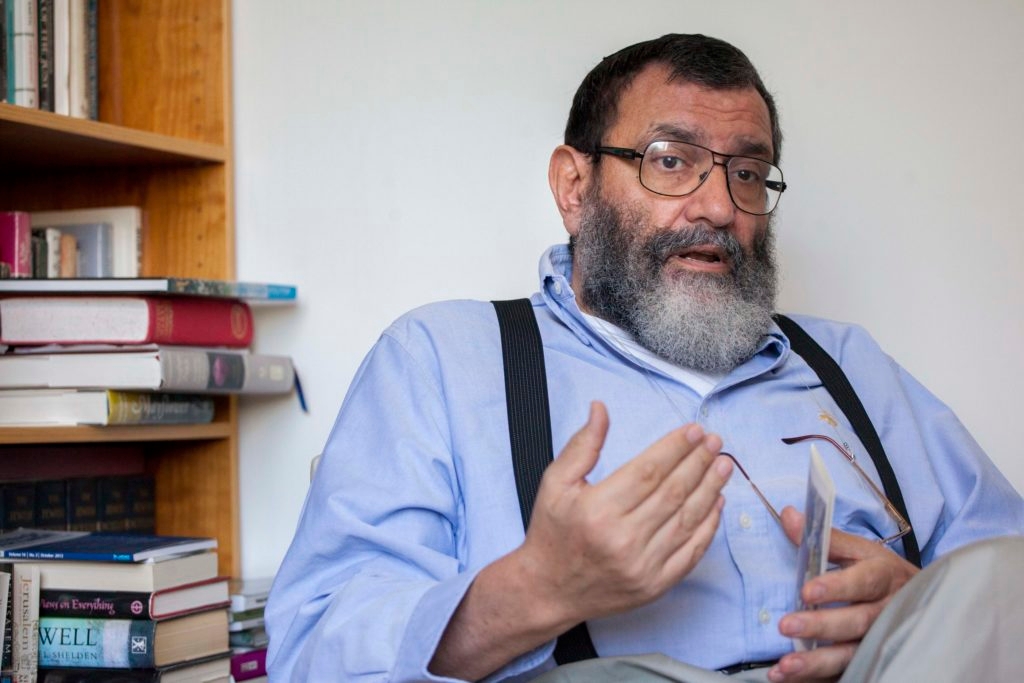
[394,153]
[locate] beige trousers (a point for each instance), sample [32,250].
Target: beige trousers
[961,619]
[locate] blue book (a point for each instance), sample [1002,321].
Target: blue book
[253,291]
[96,546]
[95,248]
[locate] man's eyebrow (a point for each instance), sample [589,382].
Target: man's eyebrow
[744,146]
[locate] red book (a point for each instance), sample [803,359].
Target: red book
[187,321]
[246,664]
[16,242]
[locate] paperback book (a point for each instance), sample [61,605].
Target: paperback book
[812,558]
[215,669]
[41,544]
[104,407]
[150,576]
[253,291]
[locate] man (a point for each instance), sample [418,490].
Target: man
[410,561]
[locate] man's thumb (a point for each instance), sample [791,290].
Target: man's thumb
[581,453]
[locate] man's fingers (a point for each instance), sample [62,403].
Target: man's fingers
[686,556]
[582,451]
[822,663]
[835,624]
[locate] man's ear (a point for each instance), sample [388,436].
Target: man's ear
[570,174]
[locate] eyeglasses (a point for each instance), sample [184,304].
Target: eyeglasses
[676,169]
[902,524]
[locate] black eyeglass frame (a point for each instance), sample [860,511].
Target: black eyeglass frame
[632,155]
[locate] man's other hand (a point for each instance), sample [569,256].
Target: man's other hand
[605,548]
[868,577]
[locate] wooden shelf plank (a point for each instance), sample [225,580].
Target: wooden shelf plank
[86,434]
[34,139]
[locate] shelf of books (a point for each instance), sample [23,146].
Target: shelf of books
[132,186]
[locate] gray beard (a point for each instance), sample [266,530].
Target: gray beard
[702,321]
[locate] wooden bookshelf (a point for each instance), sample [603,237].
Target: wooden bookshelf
[163,142]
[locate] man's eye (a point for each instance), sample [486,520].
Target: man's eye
[746,175]
[669,163]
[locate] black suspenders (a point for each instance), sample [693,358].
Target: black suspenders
[529,426]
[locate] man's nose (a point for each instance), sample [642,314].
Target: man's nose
[711,202]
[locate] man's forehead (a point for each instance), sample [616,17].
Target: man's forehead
[656,104]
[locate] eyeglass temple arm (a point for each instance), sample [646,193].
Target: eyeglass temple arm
[622,152]
[904,525]
[771,508]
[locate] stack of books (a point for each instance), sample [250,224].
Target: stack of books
[125,607]
[130,351]
[247,634]
[115,502]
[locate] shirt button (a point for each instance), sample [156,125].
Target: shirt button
[763,616]
[558,288]
[745,521]
[704,411]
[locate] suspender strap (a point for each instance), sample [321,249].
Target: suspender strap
[529,427]
[837,384]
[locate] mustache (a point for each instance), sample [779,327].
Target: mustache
[666,242]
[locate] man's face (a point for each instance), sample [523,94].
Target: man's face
[693,278]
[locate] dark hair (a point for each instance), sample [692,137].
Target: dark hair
[694,58]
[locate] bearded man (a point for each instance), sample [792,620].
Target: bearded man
[411,563]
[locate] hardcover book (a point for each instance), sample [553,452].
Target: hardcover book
[51,504]
[253,291]
[216,669]
[251,593]
[155,605]
[178,369]
[16,243]
[247,664]
[131,643]
[125,320]
[39,544]
[157,575]
[103,407]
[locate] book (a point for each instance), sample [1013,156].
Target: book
[141,493]
[250,593]
[95,248]
[104,407]
[78,65]
[68,256]
[61,58]
[5,624]
[51,504]
[16,243]
[130,643]
[3,53]
[24,57]
[82,509]
[111,504]
[252,291]
[25,586]
[154,605]
[216,669]
[812,558]
[241,621]
[160,574]
[127,226]
[248,663]
[41,544]
[250,637]
[177,369]
[44,53]
[125,320]
[17,505]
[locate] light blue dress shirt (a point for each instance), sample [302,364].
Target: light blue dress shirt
[415,491]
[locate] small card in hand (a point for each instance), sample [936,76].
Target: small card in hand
[812,559]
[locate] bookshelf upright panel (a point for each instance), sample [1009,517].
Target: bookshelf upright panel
[163,142]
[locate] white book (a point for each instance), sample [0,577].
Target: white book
[61,58]
[181,369]
[126,224]
[25,53]
[812,559]
[78,67]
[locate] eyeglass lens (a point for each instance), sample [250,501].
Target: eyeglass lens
[678,168]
